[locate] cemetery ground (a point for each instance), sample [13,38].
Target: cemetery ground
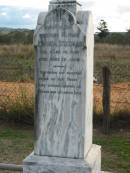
[17,103]
[17,142]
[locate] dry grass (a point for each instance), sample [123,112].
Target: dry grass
[112,51]
[120,98]
[16,63]
[13,90]
[17,102]
[116,57]
[101,51]
[20,97]
[18,50]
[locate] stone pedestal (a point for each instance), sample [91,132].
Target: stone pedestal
[44,164]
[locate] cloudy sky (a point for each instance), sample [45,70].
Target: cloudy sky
[24,13]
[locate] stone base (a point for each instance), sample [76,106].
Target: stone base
[43,164]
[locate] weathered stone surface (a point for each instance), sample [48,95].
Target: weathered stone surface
[42,164]
[72,5]
[64,83]
[64,43]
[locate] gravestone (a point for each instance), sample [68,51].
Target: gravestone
[64,43]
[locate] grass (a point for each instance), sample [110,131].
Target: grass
[17,65]
[17,62]
[16,143]
[115,151]
[120,101]
[116,57]
[17,103]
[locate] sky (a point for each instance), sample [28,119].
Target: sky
[24,13]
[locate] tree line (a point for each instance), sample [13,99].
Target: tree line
[105,36]
[102,36]
[17,37]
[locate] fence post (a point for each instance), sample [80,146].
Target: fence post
[106,99]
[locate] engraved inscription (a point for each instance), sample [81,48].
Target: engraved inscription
[63,85]
[60,60]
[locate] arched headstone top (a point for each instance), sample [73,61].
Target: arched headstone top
[59,15]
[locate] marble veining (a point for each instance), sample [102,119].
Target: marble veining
[63,56]
[64,85]
[44,164]
[64,44]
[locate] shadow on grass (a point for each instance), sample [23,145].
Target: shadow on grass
[118,120]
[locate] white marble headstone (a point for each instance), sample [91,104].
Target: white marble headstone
[64,43]
[64,81]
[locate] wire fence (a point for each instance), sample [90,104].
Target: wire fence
[16,74]
[17,94]
[120,86]
[17,89]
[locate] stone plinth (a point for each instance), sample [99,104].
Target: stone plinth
[44,164]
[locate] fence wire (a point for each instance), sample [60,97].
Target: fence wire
[17,87]
[120,85]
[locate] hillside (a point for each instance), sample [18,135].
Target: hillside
[25,36]
[15,36]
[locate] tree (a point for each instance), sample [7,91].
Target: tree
[103,29]
[127,36]
[128,30]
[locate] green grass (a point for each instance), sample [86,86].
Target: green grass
[115,151]
[16,143]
